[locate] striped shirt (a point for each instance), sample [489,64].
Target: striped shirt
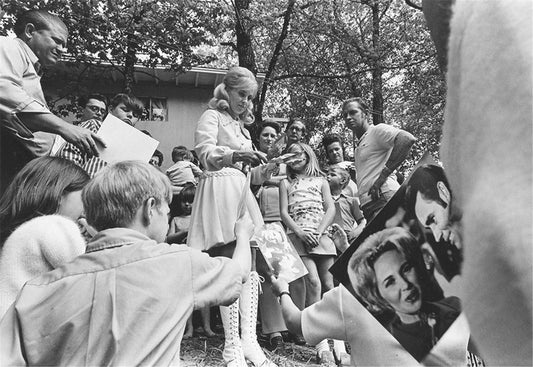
[91,164]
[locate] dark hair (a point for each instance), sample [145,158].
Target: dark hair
[359,101]
[269,123]
[329,139]
[83,100]
[181,152]
[41,19]
[424,180]
[37,190]
[187,193]
[133,103]
[159,155]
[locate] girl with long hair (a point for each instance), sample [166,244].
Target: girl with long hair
[307,209]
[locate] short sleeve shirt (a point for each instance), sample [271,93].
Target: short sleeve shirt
[373,151]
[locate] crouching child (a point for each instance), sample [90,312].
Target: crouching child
[125,301]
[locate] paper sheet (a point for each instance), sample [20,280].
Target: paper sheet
[124,142]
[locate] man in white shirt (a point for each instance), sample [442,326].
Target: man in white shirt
[381,149]
[27,125]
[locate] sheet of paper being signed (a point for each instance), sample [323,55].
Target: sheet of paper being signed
[124,142]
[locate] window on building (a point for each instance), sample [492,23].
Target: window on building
[155,109]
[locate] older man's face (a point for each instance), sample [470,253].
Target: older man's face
[49,44]
[295,132]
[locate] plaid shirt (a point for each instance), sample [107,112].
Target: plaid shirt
[89,163]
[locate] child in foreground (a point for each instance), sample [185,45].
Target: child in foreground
[127,299]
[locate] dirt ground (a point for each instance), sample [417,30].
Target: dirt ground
[207,352]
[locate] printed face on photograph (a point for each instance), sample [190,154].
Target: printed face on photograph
[435,215]
[398,284]
[400,272]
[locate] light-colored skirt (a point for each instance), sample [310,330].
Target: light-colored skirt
[325,247]
[215,208]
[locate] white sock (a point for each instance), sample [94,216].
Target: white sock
[322,346]
[339,346]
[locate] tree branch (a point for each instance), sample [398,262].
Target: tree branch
[230,44]
[277,49]
[413,5]
[347,75]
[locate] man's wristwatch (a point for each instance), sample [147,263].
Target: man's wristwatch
[281,295]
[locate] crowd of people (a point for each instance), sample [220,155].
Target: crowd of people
[104,264]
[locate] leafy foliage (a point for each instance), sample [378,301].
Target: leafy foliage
[314,53]
[124,33]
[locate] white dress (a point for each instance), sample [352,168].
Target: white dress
[215,206]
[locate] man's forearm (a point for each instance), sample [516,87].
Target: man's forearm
[402,145]
[46,122]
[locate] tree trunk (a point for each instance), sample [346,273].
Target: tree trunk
[243,31]
[245,49]
[274,59]
[377,70]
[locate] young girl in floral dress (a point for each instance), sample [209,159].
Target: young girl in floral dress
[307,209]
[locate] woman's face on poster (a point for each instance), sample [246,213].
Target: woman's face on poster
[398,284]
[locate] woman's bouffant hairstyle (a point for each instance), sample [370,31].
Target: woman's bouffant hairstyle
[37,190]
[312,169]
[236,78]
[361,265]
[114,195]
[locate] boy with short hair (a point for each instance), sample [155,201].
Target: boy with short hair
[348,215]
[126,301]
[183,171]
